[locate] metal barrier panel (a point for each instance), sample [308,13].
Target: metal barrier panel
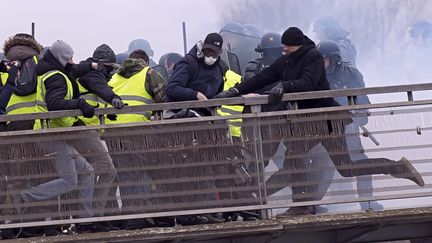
[160,168]
[323,160]
[194,165]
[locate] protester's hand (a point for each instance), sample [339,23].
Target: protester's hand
[117,103]
[12,74]
[87,110]
[3,66]
[231,92]
[276,94]
[200,96]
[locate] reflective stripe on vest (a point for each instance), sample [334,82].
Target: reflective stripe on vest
[21,104]
[132,91]
[4,77]
[41,105]
[230,80]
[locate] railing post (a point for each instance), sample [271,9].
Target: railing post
[350,100]
[262,192]
[410,96]
[355,100]
[101,119]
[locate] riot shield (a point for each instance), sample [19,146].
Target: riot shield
[231,60]
[243,46]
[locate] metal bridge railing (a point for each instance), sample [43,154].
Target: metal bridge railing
[192,165]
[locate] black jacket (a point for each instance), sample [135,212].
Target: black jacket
[97,82]
[208,79]
[56,87]
[301,71]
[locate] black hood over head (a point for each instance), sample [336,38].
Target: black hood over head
[105,54]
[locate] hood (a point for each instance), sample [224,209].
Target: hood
[131,67]
[48,63]
[62,51]
[197,53]
[309,44]
[21,53]
[22,41]
[196,50]
[105,54]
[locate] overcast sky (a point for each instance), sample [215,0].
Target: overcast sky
[85,24]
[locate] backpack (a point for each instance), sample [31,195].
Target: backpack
[193,67]
[26,80]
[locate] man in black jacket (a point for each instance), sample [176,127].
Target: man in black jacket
[96,81]
[302,69]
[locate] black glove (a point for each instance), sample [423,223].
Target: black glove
[86,109]
[101,68]
[112,117]
[12,74]
[276,94]
[3,65]
[117,103]
[231,92]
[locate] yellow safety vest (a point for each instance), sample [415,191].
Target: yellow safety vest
[230,80]
[21,104]
[93,100]
[132,91]
[42,107]
[4,77]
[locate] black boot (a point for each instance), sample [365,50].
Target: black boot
[83,228]
[407,171]
[134,224]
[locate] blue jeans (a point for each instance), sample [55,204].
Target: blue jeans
[74,173]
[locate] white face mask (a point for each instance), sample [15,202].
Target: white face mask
[209,60]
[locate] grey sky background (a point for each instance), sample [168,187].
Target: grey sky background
[85,24]
[378,27]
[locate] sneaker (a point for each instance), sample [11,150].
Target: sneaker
[7,234]
[51,231]
[320,209]
[31,232]
[295,211]
[135,224]
[213,218]
[248,215]
[84,228]
[409,172]
[371,205]
[111,226]
[191,220]
[164,222]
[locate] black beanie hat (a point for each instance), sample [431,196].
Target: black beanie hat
[293,36]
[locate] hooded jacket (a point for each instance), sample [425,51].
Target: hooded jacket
[56,87]
[17,48]
[97,81]
[209,79]
[301,71]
